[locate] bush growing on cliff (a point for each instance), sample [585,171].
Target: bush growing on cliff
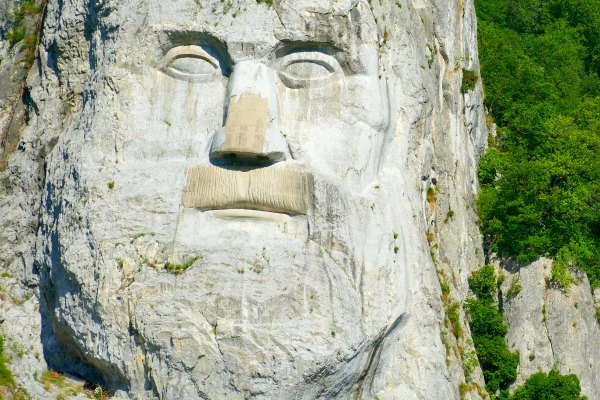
[542,386]
[514,289]
[498,364]
[469,81]
[14,36]
[483,283]
[5,374]
[9,389]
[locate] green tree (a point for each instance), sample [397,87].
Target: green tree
[483,283]
[540,182]
[498,364]
[551,386]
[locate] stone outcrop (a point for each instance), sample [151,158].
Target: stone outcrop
[552,327]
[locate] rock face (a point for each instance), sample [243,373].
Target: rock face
[19,28]
[552,328]
[239,200]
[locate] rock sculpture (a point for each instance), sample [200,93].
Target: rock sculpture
[233,196]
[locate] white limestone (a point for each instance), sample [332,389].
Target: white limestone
[315,282]
[552,327]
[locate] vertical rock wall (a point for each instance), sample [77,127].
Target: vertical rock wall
[552,327]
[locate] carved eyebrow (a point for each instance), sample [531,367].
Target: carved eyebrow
[286,48]
[210,43]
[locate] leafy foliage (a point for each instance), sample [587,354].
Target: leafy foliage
[5,374]
[469,81]
[177,269]
[8,387]
[14,36]
[541,181]
[483,283]
[560,275]
[514,289]
[498,364]
[454,319]
[542,386]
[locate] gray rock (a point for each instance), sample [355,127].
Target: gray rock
[553,328]
[322,287]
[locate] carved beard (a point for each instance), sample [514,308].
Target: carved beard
[263,305]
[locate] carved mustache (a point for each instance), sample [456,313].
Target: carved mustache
[265,189]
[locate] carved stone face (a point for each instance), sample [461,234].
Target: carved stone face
[223,188]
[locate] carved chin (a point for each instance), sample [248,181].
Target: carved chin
[257,315]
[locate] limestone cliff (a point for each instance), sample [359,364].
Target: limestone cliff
[552,327]
[137,255]
[110,310]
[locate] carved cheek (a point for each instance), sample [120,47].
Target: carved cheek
[165,118]
[333,128]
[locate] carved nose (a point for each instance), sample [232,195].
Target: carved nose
[251,129]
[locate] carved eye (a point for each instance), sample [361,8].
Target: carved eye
[192,64]
[308,69]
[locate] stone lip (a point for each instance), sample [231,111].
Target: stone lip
[250,214]
[265,189]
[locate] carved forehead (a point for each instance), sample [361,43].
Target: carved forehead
[340,23]
[173,8]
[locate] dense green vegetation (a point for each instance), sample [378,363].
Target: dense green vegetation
[498,364]
[6,378]
[540,180]
[552,386]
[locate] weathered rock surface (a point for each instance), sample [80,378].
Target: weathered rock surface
[552,328]
[19,27]
[336,297]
